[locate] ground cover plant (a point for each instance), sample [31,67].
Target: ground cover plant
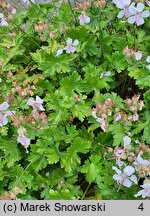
[75,100]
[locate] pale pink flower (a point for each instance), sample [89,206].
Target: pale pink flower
[125,178]
[148,61]
[25,141]
[36,104]
[135,117]
[4,113]
[103,123]
[145,192]
[84,19]
[137,14]
[124,5]
[70,48]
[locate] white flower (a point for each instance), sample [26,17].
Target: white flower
[141,161]
[70,48]
[84,19]
[25,141]
[36,104]
[125,178]
[127,142]
[137,14]
[124,5]
[2,20]
[144,192]
[103,123]
[138,55]
[148,61]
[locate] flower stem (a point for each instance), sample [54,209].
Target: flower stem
[72,10]
[85,192]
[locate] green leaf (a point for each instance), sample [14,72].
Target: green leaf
[91,168]
[70,159]
[118,133]
[146,133]
[10,150]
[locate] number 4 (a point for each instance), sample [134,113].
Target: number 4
[141,207]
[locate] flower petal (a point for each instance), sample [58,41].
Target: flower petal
[30,102]
[127,183]
[134,179]
[129,170]
[69,41]
[121,14]
[59,52]
[117,177]
[131,19]
[140,21]
[118,171]
[148,59]
[75,43]
[139,193]
[4,106]
[39,100]
[145,14]
[140,7]
[141,161]
[148,67]
[138,55]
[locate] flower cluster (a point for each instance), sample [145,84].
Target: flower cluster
[84,5]
[133,13]
[129,53]
[135,104]
[101,112]
[139,166]
[22,91]
[41,27]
